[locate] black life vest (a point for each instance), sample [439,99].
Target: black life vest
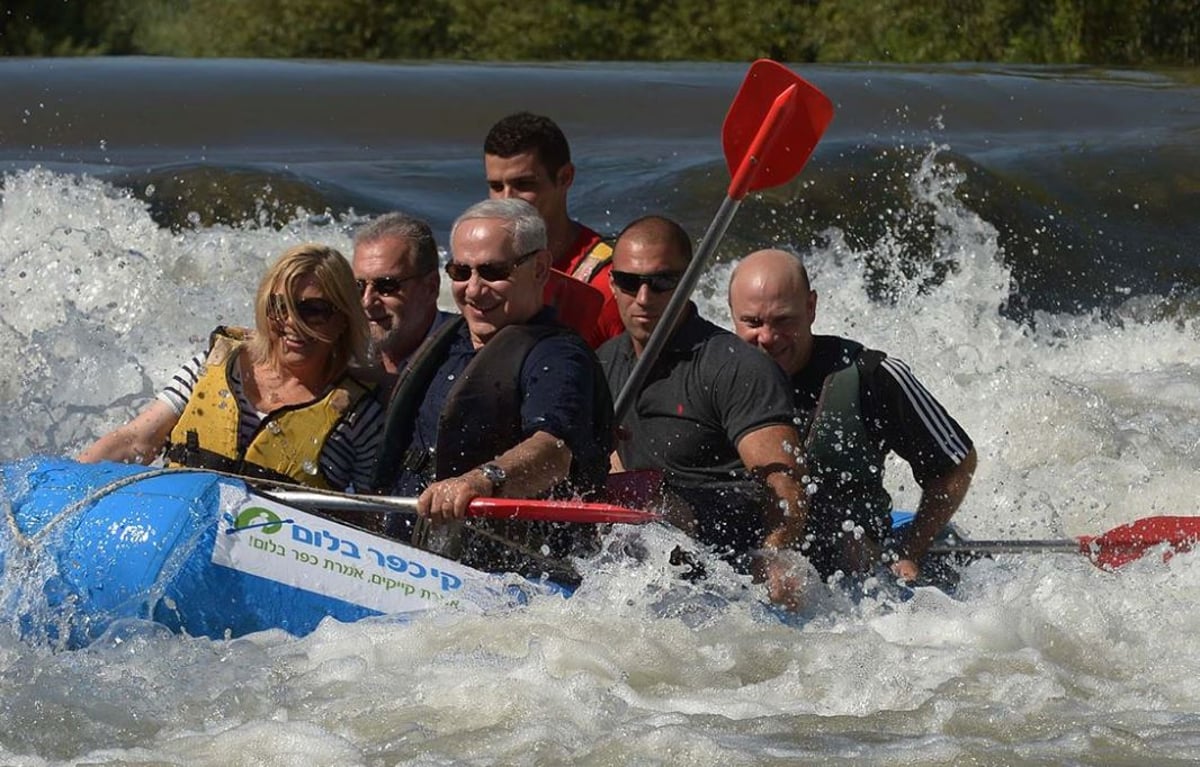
[481,419]
[845,465]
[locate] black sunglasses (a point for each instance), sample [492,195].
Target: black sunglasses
[312,311]
[659,282]
[496,271]
[385,286]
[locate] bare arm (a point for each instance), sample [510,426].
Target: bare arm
[769,453]
[940,498]
[139,441]
[533,466]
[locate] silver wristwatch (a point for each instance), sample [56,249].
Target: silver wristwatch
[496,475]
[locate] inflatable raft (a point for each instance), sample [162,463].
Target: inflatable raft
[84,546]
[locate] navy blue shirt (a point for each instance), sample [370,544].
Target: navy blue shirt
[557,396]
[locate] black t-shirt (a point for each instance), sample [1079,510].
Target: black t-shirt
[897,409]
[707,390]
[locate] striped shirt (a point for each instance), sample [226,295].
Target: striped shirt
[347,458]
[945,432]
[897,410]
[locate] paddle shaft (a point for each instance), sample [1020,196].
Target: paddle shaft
[1064,546]
[494,508]
[315,499]
[1109,551]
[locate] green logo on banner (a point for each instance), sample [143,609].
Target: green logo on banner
[256,516]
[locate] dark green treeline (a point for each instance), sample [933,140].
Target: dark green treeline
[1101,32]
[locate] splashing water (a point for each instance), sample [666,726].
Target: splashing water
[1082,421]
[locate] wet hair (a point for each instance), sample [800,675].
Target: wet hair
[660,229]
[522,132]
[332,273]
[521,220]
[402,225]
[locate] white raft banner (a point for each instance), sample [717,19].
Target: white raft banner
[305,551]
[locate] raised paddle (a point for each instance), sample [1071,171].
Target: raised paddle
[1110,551]
[492,508]
[771,128]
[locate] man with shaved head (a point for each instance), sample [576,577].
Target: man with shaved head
[855,405]
[714,415]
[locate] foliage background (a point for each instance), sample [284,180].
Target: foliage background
[1099,32]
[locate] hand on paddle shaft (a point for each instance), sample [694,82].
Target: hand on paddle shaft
[494,508]
[451,498]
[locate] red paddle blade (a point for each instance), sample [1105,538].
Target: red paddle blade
[772,127]
[558,511]
[1124,544]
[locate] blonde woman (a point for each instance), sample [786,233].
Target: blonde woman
[279,401]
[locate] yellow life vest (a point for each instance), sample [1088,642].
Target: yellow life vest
[287,443]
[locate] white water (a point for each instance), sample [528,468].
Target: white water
[1080,425]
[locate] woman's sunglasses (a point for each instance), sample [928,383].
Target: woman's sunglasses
[659,282]
[496,271]
[385,286]
[312,311]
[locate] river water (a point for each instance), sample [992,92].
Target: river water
[1026,239]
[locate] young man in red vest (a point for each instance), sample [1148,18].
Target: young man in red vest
[527,156]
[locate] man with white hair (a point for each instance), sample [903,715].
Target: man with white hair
[501,402]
